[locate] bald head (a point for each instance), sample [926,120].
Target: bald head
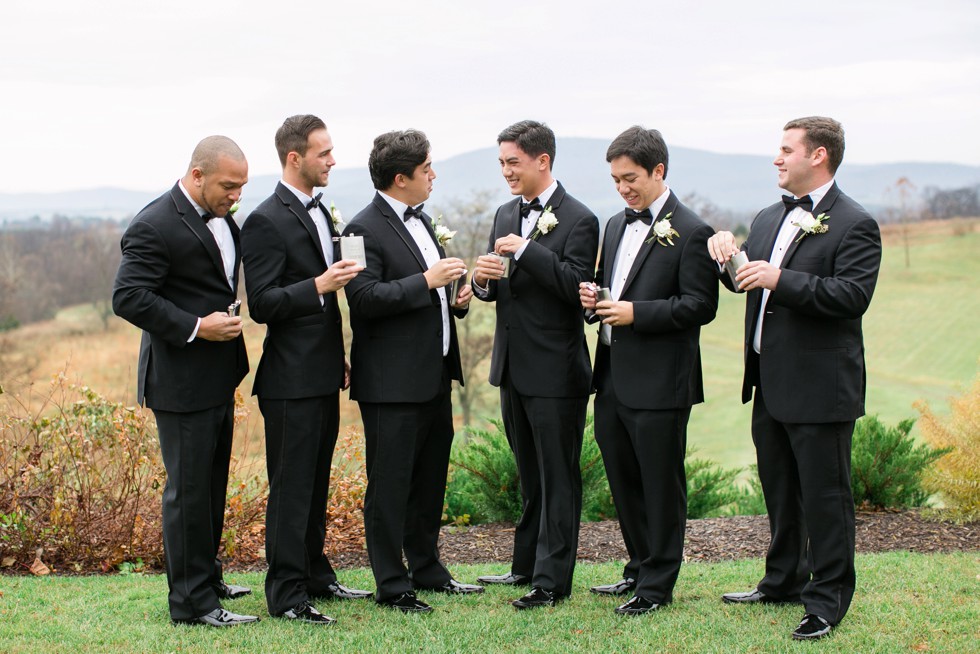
[207,153]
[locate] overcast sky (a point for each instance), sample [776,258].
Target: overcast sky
[117,92]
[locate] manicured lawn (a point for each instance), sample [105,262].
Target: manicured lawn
[905,603]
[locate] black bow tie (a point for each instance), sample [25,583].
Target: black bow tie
[413,212]
[643,216]
[207,216]
[528,207]
[315,202]
[804,203]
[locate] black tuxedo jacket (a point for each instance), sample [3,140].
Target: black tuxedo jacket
[812,362]
[396,353]
[303,352]
[655,363]
[540,337]
[170,275]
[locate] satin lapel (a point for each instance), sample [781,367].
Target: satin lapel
[296,208]
[771,232]
[824,206]
[615,229]
[194,222]
[515,222]
[427,221]
[235,236]
[398,225]
[649,243]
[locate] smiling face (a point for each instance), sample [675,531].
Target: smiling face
[416,189]
[638,187]
[525,175]
[217,190]
[313,168]
[799,172]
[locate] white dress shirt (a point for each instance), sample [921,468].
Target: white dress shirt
[528,224]
[319,219]
[430,253]
[633,239]
[787,232]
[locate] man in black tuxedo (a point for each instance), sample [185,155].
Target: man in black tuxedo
[813,264]
[176,281]
[540,358]
[403,358]
[663,288]
[292,275]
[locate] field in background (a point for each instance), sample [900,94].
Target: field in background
[921,337]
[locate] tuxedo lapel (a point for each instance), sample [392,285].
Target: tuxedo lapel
[614,238]
[194,222]
[236,237]
[824,206]
[398,225]
[301,214]
[650,242]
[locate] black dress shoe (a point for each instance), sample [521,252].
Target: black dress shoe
[812,627]
[621,587]
[536,598]
[406,603]
[220,618]
[230,591]
[453,587]
[339,591]
[754,597]
[509,579]
[637,606]
[304,612]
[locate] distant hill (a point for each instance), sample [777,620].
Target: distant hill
[739,183]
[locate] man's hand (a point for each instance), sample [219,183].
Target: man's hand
[462,300]
[509,244]
[587,295]
[487,267]
[721,246]
[219,326]
[336,276]
[757,274]
[616,314]
[445,271]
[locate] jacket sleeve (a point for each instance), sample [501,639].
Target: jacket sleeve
[577,264]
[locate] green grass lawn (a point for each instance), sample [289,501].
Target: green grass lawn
[905,603]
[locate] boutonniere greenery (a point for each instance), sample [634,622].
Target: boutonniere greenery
[546,223]
[809,224]
[335,216]
[663,232]
[443,233]
[235,207]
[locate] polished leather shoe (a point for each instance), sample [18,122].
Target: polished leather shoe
[536,598]
[406,603]
[304,612]
[509,579]
[754,597]
[339,591]
[220,618]
[453,587]
[812,627]
[230,591]
[621,587]
[637,606]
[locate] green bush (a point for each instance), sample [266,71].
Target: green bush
[710,488]
[749,499]
[887,467]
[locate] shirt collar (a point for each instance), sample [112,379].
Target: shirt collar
[546,194]
[200,210]
[303,197]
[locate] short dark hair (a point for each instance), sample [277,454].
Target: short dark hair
[646,147]
[294,135]
[397,153]
[821,132]
[532,137]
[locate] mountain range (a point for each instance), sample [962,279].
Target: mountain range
[738,183]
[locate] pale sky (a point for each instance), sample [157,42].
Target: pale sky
[118,92]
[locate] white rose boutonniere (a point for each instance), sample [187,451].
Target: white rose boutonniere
[809,224]
[546,223]
[336,217]
[235,207]
[443,233]
[662,231]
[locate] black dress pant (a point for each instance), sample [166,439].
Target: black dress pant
[643,452]
[805,471]
[545,434]
[300,435]
[196,450]
[407,450]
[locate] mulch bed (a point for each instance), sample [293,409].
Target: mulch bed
[709,540]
